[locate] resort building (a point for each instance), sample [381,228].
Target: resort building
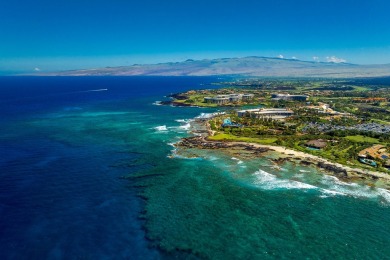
[375,152]
[317,144]
[273,113]
[325,109]
[289,97]
[219,100]
[225,99]
[247,97]
[235,98]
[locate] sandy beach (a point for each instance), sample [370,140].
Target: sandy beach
[203,131]
[306,156]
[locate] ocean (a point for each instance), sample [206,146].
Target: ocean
[88,171]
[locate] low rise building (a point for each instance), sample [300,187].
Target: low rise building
[247,97]
[219,100]
[235,98]
[375,152]
[231,98]
[273,113]
[325,109]
[317,144]
[289,97]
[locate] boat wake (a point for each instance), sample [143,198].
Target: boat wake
[94,90]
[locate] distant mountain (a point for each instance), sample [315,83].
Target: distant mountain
[248,66]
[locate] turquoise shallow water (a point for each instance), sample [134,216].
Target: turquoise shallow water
[62,195]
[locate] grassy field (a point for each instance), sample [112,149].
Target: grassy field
[361,88]
[229,137]
[362,139]
[380,121]
[339,153]
[196,102]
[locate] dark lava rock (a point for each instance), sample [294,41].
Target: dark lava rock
[166,103]
[178,96]
[305,163]
[200,142]
[280,160]
[339,172]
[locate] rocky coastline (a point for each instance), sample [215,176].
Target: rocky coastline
[342,172]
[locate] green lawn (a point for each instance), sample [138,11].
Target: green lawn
[361,88]
[228,137]
[362,139]
[380,121]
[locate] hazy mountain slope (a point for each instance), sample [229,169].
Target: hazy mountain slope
[248,66]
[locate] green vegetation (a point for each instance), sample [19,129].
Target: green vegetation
[195,100]
[339,149]
[230,137]
[363,100]
[380,121]
[362,139]
[197,97]
[348,116]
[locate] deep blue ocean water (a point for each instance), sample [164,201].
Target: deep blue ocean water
[60,194]
[64,148]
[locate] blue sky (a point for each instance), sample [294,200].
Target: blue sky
[66,34]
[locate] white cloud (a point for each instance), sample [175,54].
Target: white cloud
[37,69]
[280,56]
[315,58]
[334,59]
[294,58]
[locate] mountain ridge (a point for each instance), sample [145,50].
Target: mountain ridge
[246,66]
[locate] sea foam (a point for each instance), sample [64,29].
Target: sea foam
[183,120]
[269,181]
[157,103]
[161,128]
[238,160]
[209,115]
[185,127]
[337,187]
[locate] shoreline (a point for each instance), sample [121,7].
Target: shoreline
[338,170]
[306,156]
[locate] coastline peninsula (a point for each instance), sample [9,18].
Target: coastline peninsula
[341,128]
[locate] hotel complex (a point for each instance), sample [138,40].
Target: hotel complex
[225,99]
[273,113]
[289,97]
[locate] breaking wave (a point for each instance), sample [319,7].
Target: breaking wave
[161,128]
[269,181]
[185,127]
[337,187]
[185,124]
[329,186]
[157,103]
[209,115]
[183,120]
[238,160]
